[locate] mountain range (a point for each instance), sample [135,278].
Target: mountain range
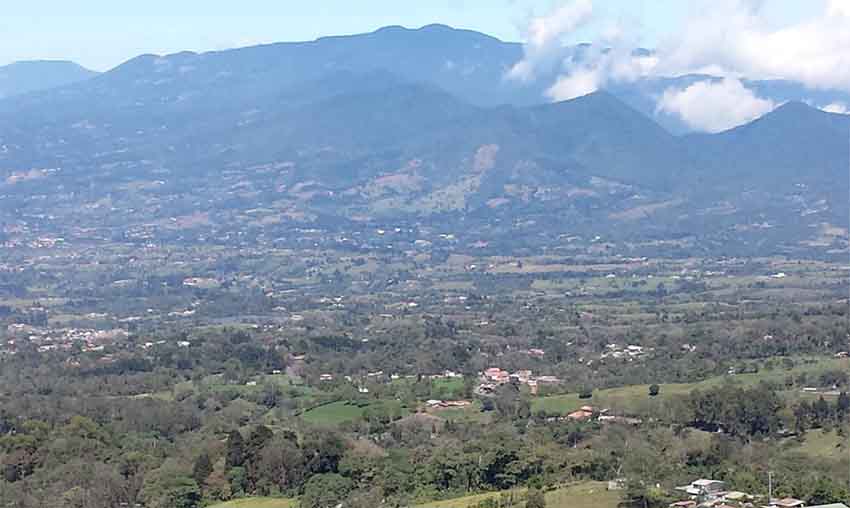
[406,124]
[33,76]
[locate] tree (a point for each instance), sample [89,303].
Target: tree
[281,463]
[802,414]
[826,492]
[257,440]
[638,495]
[168,487]
[202,469]
[585,393]
[253,447]
[325,490]
[842,405]
[235,450]
[487,404]
[821,411]
[323,451]
[654,390]
[536,499]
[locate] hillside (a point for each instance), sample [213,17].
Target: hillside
[32,76]
[349,128]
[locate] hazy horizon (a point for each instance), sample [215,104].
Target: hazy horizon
[100,36]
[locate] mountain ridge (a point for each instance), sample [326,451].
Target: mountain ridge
[29,76]
[381,142]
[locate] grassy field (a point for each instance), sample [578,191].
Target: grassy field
[580,495]
[821,445]
[258,502]
[635,398]
[333,414]
[461,502]
[583,495]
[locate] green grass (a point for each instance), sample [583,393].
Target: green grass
[461,502]
[580,495]
[636,397]
[583,495]
[257,502]
[333,414]
[452,387]
[820,445]
[340,412]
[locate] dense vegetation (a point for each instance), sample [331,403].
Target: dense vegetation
[179,427]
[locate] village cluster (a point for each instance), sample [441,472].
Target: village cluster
[494,377]
[706,493]
[65,339]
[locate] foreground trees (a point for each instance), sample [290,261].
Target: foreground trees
[741,412]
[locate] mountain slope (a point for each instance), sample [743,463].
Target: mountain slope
[297,132]
[794,142]
[31,76]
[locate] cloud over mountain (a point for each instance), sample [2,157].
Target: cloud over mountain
[734,38]
[836,107]
[544,37]
[726,38]
[714,106]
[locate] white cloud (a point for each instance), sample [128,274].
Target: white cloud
[576,84]
[836,107]
[734,38]
[714,106]
[598,68]
[724,38]
[544,37]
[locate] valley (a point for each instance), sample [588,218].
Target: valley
[377,271]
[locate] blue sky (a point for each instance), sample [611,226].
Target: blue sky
[103,33]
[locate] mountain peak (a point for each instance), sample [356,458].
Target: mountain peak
[794,107]
[598,99]
[33,75]
[798,115]
[437,27]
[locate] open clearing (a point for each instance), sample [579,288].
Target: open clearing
[334,413]
[580,495]
[257,502]
[632,399]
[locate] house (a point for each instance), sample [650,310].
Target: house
[683,504]
[326,377]
[622,420]
[536,353]
[585,413]
[704,488]
[617,484]
[447,404]
[737,497]
[497,375]
[788,502]
[487,388]
[634,350]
